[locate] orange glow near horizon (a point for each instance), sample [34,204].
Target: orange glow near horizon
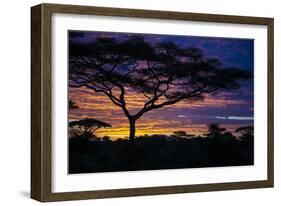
[98,106]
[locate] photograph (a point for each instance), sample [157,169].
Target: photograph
[156,101]
[133,102]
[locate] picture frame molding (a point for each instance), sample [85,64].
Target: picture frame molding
[41,116]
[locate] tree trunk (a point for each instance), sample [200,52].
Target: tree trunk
[132,129]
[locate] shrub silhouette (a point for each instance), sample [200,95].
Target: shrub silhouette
[150,152]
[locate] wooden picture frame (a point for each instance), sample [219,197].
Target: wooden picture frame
[41,116]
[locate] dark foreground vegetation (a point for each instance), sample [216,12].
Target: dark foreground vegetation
[89,154]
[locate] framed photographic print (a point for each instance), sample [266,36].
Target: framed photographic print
[132,102]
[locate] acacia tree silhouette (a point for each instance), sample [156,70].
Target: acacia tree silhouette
[163,72]
[88,126]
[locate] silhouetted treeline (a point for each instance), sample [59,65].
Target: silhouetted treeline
[217,148]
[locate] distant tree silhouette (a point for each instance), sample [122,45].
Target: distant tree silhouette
[246,134]
[72,105]
[245,131]
[214,130]
[182,134]
[87,127]
[105,138]
[157,152]
[162,72]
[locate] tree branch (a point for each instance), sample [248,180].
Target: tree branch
[114,99]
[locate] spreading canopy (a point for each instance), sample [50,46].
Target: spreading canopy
[89,122]
[163,72]
[87,126]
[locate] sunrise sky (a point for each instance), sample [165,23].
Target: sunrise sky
[230,109]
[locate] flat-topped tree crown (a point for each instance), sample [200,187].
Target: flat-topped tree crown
[163,72]
[88,126]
